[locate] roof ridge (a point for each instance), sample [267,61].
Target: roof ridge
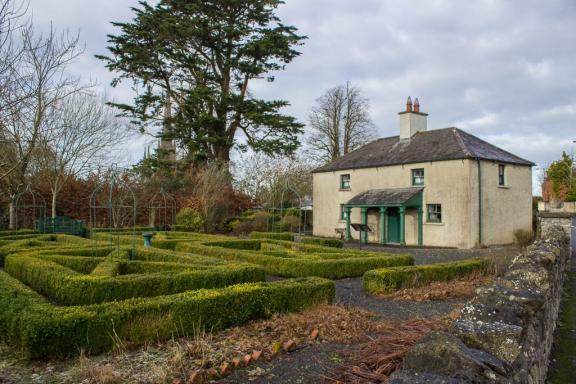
[492,145]
[460,141]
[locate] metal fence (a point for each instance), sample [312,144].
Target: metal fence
[60,224]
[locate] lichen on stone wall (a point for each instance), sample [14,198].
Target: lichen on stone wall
[504,334]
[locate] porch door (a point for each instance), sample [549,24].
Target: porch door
[393,225]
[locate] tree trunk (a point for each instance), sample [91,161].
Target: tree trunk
[12,213]
[54,196]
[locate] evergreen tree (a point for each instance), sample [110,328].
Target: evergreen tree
[200,57]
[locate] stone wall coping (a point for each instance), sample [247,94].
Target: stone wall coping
[559,215]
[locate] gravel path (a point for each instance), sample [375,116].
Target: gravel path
[349,292]
[439,255]
[302,366]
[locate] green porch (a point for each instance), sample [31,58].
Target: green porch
[392,205]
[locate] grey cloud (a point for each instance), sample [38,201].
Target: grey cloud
[503,70]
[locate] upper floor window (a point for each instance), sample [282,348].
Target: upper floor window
[344,181]
[418,176]
[501,174]
[434,213]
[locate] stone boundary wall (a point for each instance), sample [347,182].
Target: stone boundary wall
[505,333]
[550,219]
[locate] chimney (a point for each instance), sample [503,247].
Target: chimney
[412,120]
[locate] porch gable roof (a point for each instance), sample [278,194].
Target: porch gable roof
[389,196]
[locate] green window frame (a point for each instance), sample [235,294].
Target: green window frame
[418,176]
[434,213]
[345,181]
[342,212]
[501,174]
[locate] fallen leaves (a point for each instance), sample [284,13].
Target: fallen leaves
[464,288]
[376,359]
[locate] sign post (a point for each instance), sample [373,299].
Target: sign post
[361,228]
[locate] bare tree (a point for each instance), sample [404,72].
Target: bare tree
[211,186]
[40,83]
[264,178]
[340,123]
[83,131]
[10,15]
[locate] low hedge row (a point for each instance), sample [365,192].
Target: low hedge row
[164,240]
[387,280]
[17,232]
[137,267]
[106,268]
[80,264]
[120,230]
[161,255]
[326,242]
[294,266]
[69,287]
[43,330]
[287,236]
[272,235]
[314,248]
[38,243]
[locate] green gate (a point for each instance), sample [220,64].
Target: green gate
[60,224]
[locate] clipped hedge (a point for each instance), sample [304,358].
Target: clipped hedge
[80,264]
[287,265]
[287,236]
[326,242]
[17,232]
[42,242]
[387,280]
[43,330]
[106,268]
[69,287]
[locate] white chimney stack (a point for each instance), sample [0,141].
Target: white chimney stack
[412,120]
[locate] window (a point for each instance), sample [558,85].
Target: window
[344,181]
[434,213]
[342,212]
[501,174]
[418,176]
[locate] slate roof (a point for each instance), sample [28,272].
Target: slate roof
[434,145]
[384,196]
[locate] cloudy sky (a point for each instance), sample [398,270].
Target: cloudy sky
[504,70]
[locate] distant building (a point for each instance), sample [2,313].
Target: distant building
[442,187]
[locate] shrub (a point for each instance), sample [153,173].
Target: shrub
[242,226]
[189,219]
[272,235]
[523,238]
[261,221]
[387,280]
[291,222]
[43,330]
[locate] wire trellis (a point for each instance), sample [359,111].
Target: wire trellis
[113,206]
[162,210]
[29,207]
